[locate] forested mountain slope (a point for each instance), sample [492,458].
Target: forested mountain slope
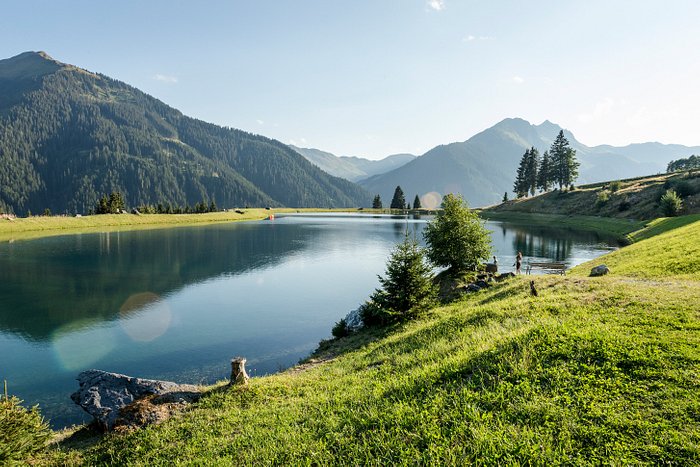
[67,136]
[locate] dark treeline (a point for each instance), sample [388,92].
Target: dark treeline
[68,136]
[558,166]
[689,163]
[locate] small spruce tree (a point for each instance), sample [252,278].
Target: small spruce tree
[505,197]
[377,202]
[416,203]
[406,288]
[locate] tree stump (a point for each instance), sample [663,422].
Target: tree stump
[238,373]
[533,290]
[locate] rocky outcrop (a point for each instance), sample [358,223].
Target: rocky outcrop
[600,270]
[120,400]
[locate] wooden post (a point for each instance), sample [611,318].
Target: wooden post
[238,373]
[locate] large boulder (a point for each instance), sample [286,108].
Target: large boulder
[600,270]
[353,320]
[103,395]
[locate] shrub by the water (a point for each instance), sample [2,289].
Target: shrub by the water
[671,203]
[22,431]
[615,186]
[340,329]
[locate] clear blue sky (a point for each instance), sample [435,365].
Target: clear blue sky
[376,77]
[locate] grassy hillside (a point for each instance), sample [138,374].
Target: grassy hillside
[592,371]
[636,198]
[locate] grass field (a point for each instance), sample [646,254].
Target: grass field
[591,371]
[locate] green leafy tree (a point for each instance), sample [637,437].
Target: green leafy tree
[406,288]
[689,163]
[116,203]
[671,203]
[457,238]
[377,202]
[544,173]
[563,161]
[416,203]
[399,200]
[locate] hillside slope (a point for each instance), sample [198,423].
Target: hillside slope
[637,198]
[591,371]
[67,136]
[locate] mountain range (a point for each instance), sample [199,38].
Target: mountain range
[483,167]
[68,136]
[352,168]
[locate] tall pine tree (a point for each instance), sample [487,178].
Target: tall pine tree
[533,160]
[544,175]
[520,186]
[399,200]
[564,163]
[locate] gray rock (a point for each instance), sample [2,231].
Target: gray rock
[482,283]
[600,270]
[504,276]
[353,320]
[472,288]
[103,394]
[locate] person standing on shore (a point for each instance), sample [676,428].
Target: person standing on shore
[518,262]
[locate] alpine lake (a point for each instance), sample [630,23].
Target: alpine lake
[178,303]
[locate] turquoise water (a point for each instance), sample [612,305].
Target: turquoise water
[178,303]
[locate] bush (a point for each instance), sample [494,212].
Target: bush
[615,186]
[624,205]
[671,203]
[457,238]
[407,288]
[684,189]
[22,431]
[602,198]
[340,329]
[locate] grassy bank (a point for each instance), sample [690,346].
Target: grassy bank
[591,371]
[637,198]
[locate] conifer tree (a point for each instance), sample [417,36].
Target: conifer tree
[399,200]
[416,203]
[406,287]
[520,186]
[377,202]
[544,176]
[505,197]
[563,161]
[531,167]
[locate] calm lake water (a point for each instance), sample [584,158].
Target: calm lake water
[178,303]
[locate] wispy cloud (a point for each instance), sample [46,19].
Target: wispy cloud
[473,38]
[436,5]
[517,79]
[165,78]
[260,122]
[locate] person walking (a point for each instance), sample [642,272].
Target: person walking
[518,262]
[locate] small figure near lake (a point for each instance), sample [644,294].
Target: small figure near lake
[518,262]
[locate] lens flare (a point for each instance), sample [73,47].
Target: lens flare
[145,317]
[80,344]
[431,200]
